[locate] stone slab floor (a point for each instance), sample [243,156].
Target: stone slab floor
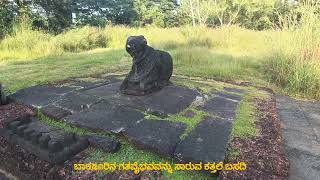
[100,106]
[301,131]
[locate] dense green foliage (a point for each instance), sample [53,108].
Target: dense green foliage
[57,16]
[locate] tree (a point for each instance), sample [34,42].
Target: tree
[100,12]
[227,11]
[257,15]
[162,13]
[57,13]
[8,9]
[169,9]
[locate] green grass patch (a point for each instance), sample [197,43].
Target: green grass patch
[190,122]
[129,153]
[244,124]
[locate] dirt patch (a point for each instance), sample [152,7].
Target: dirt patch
[23,164]
[264,154]
[14,110]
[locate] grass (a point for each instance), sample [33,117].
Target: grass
[266,58]
[247,113]
[20,74]
[128,153]
[190,122]
[244,125]
[295,64]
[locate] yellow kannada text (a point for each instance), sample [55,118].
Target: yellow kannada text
[170,168]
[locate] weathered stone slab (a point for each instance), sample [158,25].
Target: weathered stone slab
[48,143]
[302,141]
[312,113]
[107,117]
[309,162]
[170,100]
[91,85]
[105,91]
[160,136]
[300,130]
[107,144]
[76,102]
[223,105]
[40,95]
[206,143]
[111,92]
[55,112]
[294,119]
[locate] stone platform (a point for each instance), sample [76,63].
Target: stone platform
[100,107]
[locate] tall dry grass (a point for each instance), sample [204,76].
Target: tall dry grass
[28,44]
[24,43]
[295,63]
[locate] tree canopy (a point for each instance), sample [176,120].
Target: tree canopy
[57,16]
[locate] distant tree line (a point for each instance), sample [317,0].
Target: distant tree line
[58,15]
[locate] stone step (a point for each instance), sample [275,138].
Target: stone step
[50,144]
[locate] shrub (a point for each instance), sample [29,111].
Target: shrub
[82,39]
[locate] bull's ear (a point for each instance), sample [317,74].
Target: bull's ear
[143,39]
